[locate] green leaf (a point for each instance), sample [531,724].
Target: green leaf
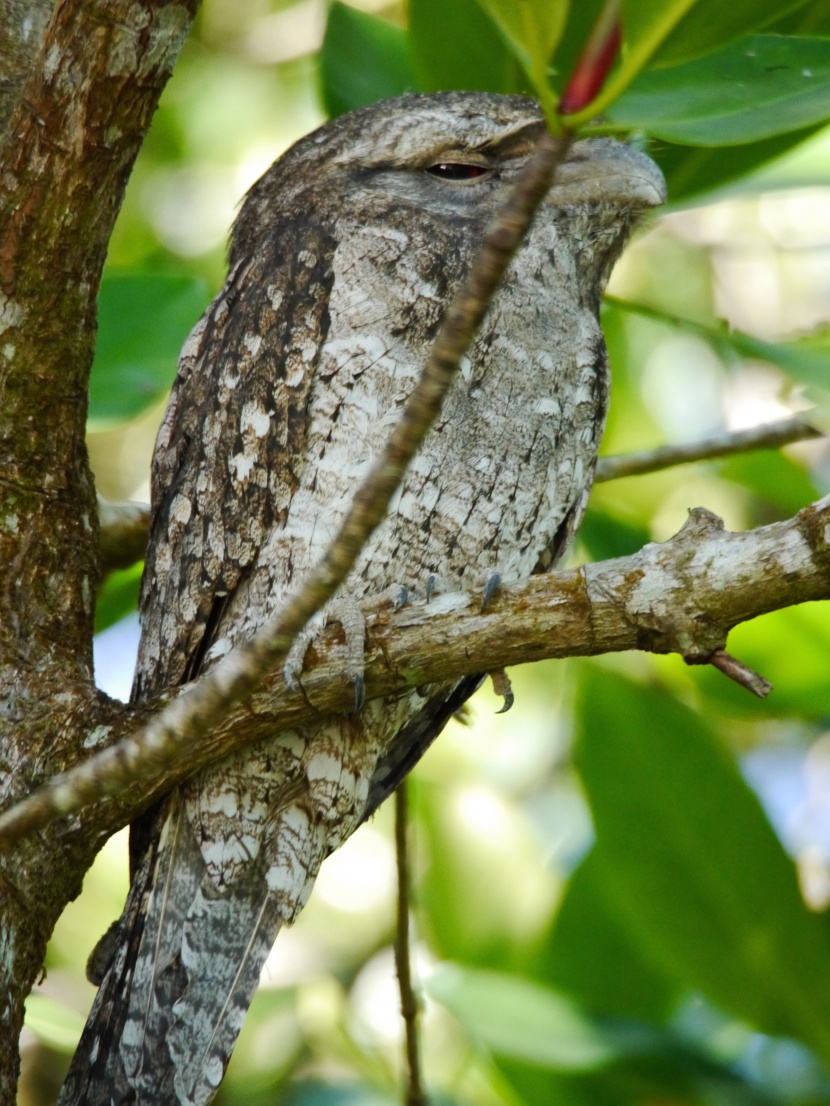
[755,88]
[592,957]
[519,1019]
[314,1093]
[710,24]
[436,29]
[812,19]
[605,536]
[143,320]
[696,170]
[485,892]
[697,873]
[806,361]
[773,478]
[118,597]
[532,28]
[363,59]
[645,25]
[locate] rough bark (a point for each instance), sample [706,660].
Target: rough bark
[80,97]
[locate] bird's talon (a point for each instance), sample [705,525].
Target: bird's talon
[503,688]
[292,670]
[359,692]
[402,599]
[491,586]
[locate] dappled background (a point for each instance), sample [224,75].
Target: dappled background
[620,887]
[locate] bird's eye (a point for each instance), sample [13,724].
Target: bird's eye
[457,171]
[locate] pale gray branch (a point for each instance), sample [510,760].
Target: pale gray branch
[770,436]
[682,596]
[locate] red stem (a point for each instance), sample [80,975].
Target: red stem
[594,62]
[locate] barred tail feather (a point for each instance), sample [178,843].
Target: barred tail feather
[227,941]
[96,1076]
[174,997]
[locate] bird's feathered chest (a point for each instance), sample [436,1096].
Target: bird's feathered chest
[511,452]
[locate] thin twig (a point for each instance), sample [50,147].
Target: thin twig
[770,436]
[194,713]
[409,1003]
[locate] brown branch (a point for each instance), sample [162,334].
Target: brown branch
[124,530]
[23,23]
[409,1003]
[75,131]
[741,673]
[681,596]
[770,436]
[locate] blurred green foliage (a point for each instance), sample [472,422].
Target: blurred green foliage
[603,912]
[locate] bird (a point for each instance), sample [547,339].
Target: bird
[342,262]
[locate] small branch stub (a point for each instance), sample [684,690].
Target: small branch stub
[739,672]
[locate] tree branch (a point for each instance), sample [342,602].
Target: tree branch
[414,1093]
[124,531]
[681,596]
[739,672]
[23,23]
[769,436]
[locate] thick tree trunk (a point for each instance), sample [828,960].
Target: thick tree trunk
[78,92]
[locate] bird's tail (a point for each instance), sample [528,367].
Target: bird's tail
[174,996]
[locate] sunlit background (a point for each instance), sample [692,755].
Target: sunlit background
[500,820]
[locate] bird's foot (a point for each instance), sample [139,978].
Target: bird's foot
[350,617]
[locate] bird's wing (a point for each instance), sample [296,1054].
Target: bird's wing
[228,459]
[230,451]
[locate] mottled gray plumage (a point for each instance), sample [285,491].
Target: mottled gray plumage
[343,260]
